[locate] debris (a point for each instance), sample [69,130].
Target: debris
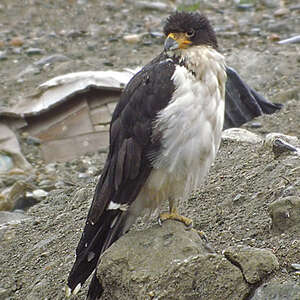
[281,143]
[70,114]
[292,40]
[51,59]
[10,152]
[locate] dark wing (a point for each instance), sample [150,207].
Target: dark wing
[127,166]
[242,103]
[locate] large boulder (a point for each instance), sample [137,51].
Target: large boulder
[171,262]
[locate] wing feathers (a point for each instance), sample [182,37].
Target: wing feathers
[127,166]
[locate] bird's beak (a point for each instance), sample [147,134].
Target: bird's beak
[176,41]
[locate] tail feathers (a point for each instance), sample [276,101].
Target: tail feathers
[95,289]
[94,241]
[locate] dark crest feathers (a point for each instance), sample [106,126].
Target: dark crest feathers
[187,21]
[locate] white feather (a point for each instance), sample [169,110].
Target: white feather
[191,128]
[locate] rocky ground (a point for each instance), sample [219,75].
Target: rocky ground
[250,198]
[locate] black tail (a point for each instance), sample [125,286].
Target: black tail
[94,241]
[95,289]
[242,103]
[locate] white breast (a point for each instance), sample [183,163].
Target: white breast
[191,128]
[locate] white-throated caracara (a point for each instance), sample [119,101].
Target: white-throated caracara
[164,135]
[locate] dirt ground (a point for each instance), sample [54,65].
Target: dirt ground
[231,208]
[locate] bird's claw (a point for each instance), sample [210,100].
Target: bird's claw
[173,215]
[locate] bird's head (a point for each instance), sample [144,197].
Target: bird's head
[184,29]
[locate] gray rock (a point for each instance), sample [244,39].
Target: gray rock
[255,263]
[278,27]
[34,51]
[277,291]
[285,214]
[168,262]
[270,3]
[241,135]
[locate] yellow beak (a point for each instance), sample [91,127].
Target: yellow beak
[176,41]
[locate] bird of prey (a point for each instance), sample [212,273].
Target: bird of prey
[164,135]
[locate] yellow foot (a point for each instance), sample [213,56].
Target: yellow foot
[173,215]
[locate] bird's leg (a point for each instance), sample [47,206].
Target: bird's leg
[173,215]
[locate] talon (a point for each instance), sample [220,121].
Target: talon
[173,215]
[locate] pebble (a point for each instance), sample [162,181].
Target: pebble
[92,45]
[39,194]
[278,27]
[152,5]
[238,198]
[295,7]
[132,38]
[241,135]
[245,6]
[6,163]
[51,59]
[3,55]
[17,50]
[274,37]
[16,42]
[31,140]
[281,12]
[255,125]
[157,34]
[270,3]
[34,51]
[296,266]
[75,33]
[83,175]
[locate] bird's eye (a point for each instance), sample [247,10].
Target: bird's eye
[190,33]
